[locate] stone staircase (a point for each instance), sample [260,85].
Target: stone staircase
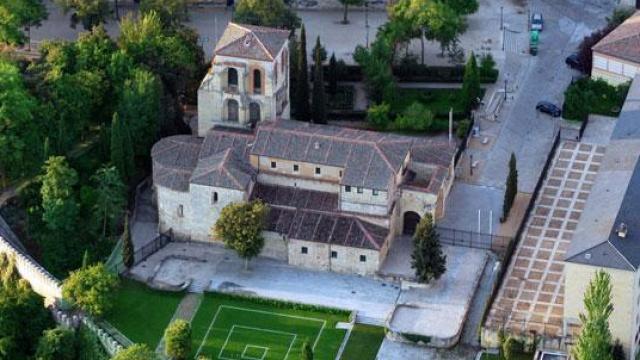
[198,286]
[367,320]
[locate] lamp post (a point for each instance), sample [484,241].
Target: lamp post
[505,89]
[366,21]
[501,17]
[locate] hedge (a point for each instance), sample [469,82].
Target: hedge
[282,304]
[413,73]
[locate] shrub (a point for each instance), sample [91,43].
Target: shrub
[91,289]
[511,347]
[378,116]
[488,67]
[178,340]
[463,128]
[587,96]
[416,117]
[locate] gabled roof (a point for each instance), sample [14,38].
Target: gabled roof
[224,169]
[624,41]
[252,42]
[174,159]
[369,159]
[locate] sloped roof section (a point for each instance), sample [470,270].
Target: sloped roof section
[624,41]
[251,42]
[224,169]
[174,159]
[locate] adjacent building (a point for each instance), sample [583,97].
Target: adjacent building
[616,58]
[338,196]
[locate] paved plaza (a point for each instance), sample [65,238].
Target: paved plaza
[531,297]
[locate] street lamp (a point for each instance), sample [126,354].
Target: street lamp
[366,20]
[501,17]
[505,89]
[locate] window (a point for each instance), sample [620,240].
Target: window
[340,173]
[317,171]
[347,188]
[296,168]
[359,190]
[180,211]
[374,192]
[363,258]
[232,111]
[232,77]
[304,250]
[273,164]
[334,254]
[257,81]
[214,198]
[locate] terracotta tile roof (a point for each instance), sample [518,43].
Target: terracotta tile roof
[624,41]
[253,42]
[174,159]
[225,170]
[295,197]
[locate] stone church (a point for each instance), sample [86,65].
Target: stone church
[338,197]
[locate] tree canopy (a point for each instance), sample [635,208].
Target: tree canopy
[15,15]
[272,13]
[91,289]
[177,338]
[87,12]
[427,259]
[136,352]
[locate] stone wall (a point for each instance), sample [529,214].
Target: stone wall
[275,246]
[318,256]
[169,214]
[205,212]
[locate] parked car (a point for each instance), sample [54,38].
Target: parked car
[537,22]
[574,62]
[549,108]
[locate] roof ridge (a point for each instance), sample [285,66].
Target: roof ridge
[621,254]
[366,233]
[384,157]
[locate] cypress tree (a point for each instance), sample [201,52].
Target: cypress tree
[319,97]
[333,75]
[427,259]
[302,110]
[511,189]
[121,148]
[470,84]
[127,244]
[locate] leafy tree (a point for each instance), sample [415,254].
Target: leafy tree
[470,84]
[58,198]
[88,345]
[307,352]
[619,15]
[463,7]
[240,227]
[136,352]
[91,289]
[427,259]
[488,67]
[87,12]
[128,255]
[139,106]
[378,116]
[57,344]
[110,199]
[18,124]
[417,117]
[271,13]
[16,15]
[177,338]
[346,4]
[122,149]
[511,189]
[333,75]
[301,108]
[93,50]
[376,66]
[319,97]
[594,341]
[170,11]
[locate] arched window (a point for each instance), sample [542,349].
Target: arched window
[232,110]
[232,77]
[214,198]
[257,81]
[254,113]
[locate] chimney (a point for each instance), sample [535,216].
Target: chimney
[622,230]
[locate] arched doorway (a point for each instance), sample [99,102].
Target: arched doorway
[254,113]
[410,222]
[232,110]
[232,78]
[257,82]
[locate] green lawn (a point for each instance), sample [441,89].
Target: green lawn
[227,327]
[364,343]
[438,100]
[141,313]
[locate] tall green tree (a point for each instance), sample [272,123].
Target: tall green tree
[307,351]
[511,189]
[346,4]
[136,352]
[91,289]
[271,13]
[427,259]
[111,199]
[240,228]
[177,338]
[57,344]
[128,255]
[16,15]
[122,156]
[87,12]
[333,75]
[58,195]
[319,101]
[470,84]
[301,108]
[171,12]
[594,341]
[376,67]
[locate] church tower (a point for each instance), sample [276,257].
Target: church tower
[248,81]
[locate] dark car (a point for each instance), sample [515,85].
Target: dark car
[574,62]
[549,108]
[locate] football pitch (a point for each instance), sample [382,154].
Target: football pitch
[235,328]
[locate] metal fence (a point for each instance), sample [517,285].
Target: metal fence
[144,252]
[472,239]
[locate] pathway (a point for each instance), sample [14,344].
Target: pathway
[186,310]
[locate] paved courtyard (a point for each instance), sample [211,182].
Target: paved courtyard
[531,296]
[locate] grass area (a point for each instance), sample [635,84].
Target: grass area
[141,313]
[364,343]
[486,356]
[227,327]
[438,100]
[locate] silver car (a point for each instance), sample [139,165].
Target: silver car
[537,22]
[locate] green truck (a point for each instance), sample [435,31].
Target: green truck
[534,38]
